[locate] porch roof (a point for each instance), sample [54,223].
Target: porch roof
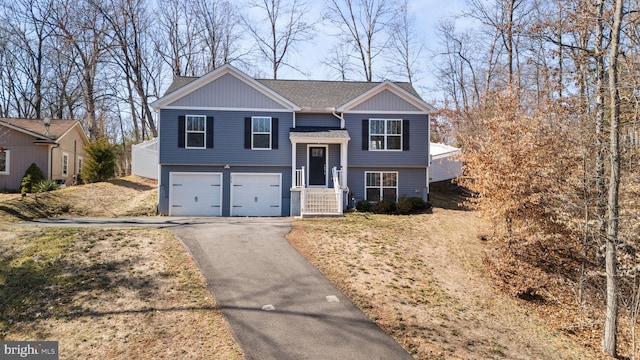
[316,135]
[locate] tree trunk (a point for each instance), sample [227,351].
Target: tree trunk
[600,116]
[609,344]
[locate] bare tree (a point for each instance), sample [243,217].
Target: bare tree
[175,39]
[85,38]
[126,19]
[28,34]
[338,61]
[406,47]
[287,24]
[609,341]
[363,23]
[218,22]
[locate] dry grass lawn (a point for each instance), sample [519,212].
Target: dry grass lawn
[105,293]
[137,294]
[420,278]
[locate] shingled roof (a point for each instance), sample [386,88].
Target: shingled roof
[58,127]
[311,94]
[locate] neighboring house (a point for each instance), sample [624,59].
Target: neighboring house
[58,150]
[445,163]
[231,145]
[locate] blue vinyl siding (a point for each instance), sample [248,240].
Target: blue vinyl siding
[386,101]
[228,141]
[411,182]
[163,195]
[227,91]
[317,120]
[417,155]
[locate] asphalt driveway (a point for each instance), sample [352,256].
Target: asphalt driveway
[277,304]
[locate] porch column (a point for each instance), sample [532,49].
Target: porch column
[343,162]
[293,164]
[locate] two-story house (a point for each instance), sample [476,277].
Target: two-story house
[232,145]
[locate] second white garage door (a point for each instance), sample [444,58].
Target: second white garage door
[195,194]
[254,194]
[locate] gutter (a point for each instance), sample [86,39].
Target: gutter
[333,111]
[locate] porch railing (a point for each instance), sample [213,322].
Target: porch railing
[318,201]
[337,180]
[300,178]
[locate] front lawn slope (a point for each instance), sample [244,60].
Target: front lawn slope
[420,278]
[129,196]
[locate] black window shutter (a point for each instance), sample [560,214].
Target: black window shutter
[181,131]
[247,133]
[209,132]
[365,134]
[274,133]
[405,135]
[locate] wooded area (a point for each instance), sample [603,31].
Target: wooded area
[104,61]
[543,96]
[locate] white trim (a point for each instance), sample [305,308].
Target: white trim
[386,112]
[397,90]
[7,164]
[171,197]
[186,132]
[262,133]
[212,76]
[326,165]
[231,192]
[62,164]
[189,108]
[318,140]
[382,187]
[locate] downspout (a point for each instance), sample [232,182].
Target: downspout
[51,147]
[339,117]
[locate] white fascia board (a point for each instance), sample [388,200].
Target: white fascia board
[196,108]
[388,85]
[318,140]
[385,112]
[215,74]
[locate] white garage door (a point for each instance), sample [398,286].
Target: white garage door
[195,194]
[256,194]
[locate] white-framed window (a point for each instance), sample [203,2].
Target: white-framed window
[381,185]
[385,134]
[195,132]
[260,133]
[5,157]
[65,164]
[80,163]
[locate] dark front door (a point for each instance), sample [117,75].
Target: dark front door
[317,166]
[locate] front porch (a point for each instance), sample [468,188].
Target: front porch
[319,201]
[319,171]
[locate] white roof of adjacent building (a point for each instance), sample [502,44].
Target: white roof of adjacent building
[438,150]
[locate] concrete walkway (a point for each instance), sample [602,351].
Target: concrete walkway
[277,304]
